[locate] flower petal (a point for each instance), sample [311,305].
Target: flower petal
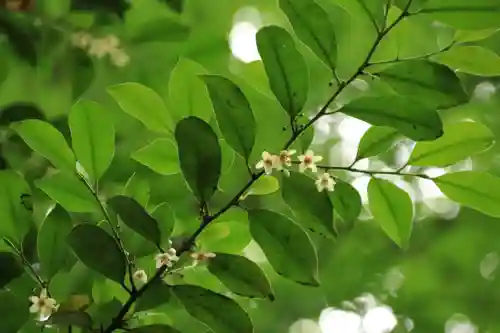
[34,308]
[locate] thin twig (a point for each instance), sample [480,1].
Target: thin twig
[420,57]
[186,246]
[26,264]
[116,235]
[373,172]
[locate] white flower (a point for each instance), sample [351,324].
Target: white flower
[141,276]
[308,160]
[112,41]
[43,304]
[267,163]
[325,181]
[168,258]
[285,157]
[99,48]
[119,58]
[199,256]
[81,39]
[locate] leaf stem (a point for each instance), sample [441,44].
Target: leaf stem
[26,264]
[373,172]
[186,246]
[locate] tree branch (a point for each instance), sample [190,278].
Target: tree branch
[26,264]
[372,172]
[186,246]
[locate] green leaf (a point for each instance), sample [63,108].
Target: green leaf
[220,313]
[136,217]
[164,214]
[285,68]
[376,140]
[264,185]
[199,156]
[82,72]
[234,115]
[375,11]
[144,104]
[14,311]
[92,136]
[240,275]
[52,246]
[138,188]
[474,189]
[157,294]
[392,208]
[11,268]
[188,95]
[71,318]
[473,35]
[161,30]
[313,26]
[315,213]
[20,111]
[409,117]
[43,138]
[433,84]
[459,141]
[347,202]
[156,328]
[98,251]
[277,235]
[69,191]
[160,155]
[15,218]
[465,59]
[464,14]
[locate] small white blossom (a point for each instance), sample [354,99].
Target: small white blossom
[267,163]
[141,276]
[308,160]
[43,305]
[200,257]
[168,258]
[325,181]
[81,39]
[119,58]
[285,157]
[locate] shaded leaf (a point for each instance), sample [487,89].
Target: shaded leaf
[376,140]
[474,189]
[29,244]
[82,71]
[459,141]
[22,36]
[392,208]
[52,246]
[136,217]
[409,117]
[175,5]
[14,311]
[347,203]
[20,111]
[98,251]
[15,218]
[144,104]
[277,235]
[118,7]
[220,313]
[285,68]
[155,328]
[234,115]
[465,59]
[160,155]
[73,318]
[93,137]
[264,185]
[315,213]
[188,95]
[43,138]
[161,30]
[433,84]
[313,26]
[69,191]
[199,156]
[11,268]
[463,14]
[240,275]
[157,294]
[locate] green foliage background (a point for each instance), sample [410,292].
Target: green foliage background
[148,175]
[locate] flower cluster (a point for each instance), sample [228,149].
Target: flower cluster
[199,257]
[43,305]
[100,47]
[168,258]
[306,161]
